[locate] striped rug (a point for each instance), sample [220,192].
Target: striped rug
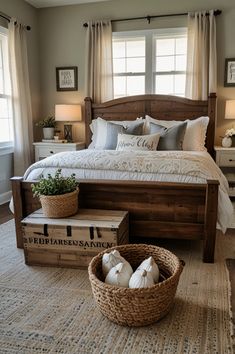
[51,310]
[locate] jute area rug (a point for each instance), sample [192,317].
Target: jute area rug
[51,310]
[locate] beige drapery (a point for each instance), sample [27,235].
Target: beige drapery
[99,71]
[201,72]
[21,100]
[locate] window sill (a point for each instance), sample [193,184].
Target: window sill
[6,150]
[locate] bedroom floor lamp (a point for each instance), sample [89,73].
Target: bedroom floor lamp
[68,113]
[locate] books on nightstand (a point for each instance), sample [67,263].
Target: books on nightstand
[61,141]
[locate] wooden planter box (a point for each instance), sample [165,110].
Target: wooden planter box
[73,241]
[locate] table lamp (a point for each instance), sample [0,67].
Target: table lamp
[230,109]
[68,113]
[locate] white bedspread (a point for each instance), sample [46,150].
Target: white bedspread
[169,166]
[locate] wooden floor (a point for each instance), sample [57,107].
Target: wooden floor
[6,215]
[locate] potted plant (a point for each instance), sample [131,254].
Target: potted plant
[58,195]
[48,125]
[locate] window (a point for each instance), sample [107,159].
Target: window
[6,122]
[149,62]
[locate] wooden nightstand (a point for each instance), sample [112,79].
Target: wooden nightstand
[225,159]
[43,149]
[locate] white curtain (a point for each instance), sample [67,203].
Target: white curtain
[99,73]
[201,72]
[21,100]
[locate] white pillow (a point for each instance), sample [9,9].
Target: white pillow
[128,142]
[99,129]
[195,134]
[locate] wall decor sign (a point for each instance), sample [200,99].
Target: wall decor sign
[67,78]
[229,77]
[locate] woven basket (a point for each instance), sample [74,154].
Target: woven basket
[60,206]
[137,307]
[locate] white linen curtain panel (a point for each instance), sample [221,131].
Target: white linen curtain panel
[99,73]
[201,72]
[21,100]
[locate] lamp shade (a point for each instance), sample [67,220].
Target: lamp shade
[230,109]
[68,112]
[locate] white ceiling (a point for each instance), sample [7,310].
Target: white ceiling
[51,3]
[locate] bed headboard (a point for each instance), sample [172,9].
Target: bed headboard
[157,106]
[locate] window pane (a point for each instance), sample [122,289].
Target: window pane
[135,48]
[164,84]
[119,66]
[165,47]
[181,45]
[135,85]
[135,65]
[179,84]
[119,49]
[165,63]
[180,62]
[5,131]
[120,86]
[1,81]
[0,53]
[3,108]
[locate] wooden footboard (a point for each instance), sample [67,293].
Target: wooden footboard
[157,209]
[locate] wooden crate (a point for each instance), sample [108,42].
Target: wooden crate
[73,241]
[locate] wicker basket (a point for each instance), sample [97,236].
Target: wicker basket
[60,206]
[137,307]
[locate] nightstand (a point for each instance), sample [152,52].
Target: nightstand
[43,149]
[225,159]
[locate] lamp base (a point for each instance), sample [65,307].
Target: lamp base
[68,133]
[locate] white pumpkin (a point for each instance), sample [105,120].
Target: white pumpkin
[109,260]
[118,275]
[141,279]
[150,265]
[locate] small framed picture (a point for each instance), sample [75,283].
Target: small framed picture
[67,78]
[229,76]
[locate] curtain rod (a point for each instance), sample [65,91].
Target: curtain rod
[8,18]
[148,18]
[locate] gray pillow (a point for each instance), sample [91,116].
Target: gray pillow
[171,138]
[114,129]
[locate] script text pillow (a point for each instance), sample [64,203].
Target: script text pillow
[137,142]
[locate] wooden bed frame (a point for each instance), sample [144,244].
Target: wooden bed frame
[156,209]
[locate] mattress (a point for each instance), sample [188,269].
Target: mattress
[163,166]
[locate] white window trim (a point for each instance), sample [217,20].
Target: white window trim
[150,48]
[6,147]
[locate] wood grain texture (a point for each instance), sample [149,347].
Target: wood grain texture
[156,209]
[157,106]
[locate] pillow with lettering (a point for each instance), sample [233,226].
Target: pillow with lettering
[137,142]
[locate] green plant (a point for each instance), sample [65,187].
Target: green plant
[55,185]
[48,122]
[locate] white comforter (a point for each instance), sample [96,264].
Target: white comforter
[169,166]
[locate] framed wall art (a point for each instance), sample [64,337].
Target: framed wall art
[67,78]
[229,76]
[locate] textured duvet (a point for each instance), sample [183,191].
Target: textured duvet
[167,166]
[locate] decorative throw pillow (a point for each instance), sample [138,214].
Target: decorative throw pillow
[105,132]
[171,138]
[137,142]
[195,134]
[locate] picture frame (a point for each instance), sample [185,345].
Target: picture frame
[67,78]
[229,74]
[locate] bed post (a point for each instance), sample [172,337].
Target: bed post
[18,208]
[88,120]
[211,208]
[211,129]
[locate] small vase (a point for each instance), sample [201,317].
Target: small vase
[227,142]
[48,133]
